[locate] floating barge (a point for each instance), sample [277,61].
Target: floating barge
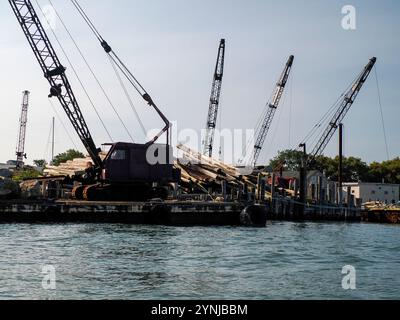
[382,215]
[164,213]
[178,213]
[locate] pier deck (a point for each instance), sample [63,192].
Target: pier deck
[164,213]
[168,213]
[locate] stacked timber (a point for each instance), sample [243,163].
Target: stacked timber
[379,212]
[199,175]
[213,176]
[69,168]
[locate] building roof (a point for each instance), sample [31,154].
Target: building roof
[6,166]
[370,183]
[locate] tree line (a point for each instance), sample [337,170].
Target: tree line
[60,158]
[354,169]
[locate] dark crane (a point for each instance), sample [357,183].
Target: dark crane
[21,155]
[345,104]
[54,72]
[125,173]
[214,101]
[344,107]
[272,107]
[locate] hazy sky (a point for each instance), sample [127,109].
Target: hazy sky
[171,46]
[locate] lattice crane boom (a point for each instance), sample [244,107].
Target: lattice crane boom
[214,101]
[20,153]
[344,107]
[54,72]
[273,105]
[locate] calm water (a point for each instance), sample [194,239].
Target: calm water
[285,260]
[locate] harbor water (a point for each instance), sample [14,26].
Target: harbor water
[286,260]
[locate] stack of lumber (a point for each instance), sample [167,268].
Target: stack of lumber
[198,172]
[69,168]
[205,171]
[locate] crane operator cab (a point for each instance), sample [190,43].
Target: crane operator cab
[132,172]
[128,162]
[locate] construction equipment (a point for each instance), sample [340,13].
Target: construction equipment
[20,153]
[344,106]
[266,121]
[212,117]
[129,171]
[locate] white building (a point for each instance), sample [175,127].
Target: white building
[366,192]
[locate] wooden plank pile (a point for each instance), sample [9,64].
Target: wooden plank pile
[199,174]
[207,174]
[69,168]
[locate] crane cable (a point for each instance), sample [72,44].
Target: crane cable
[219,120]
[291,85]
[249,148]
[87,20]
[381,112]
[74,71]
[127,95]
[326,117]
[63,124]
[323,120]
[280,113]
[383,120]
[117,62]
[93,74]
[46,151]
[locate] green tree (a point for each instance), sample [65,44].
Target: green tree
[40,163]
[26,173]
[389,171]
[291,159]
[66,156]
[354,169]
[325,164]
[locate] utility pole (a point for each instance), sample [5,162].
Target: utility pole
[52,140]
[303,180]
[20,153]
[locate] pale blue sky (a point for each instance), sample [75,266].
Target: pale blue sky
[171,46]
